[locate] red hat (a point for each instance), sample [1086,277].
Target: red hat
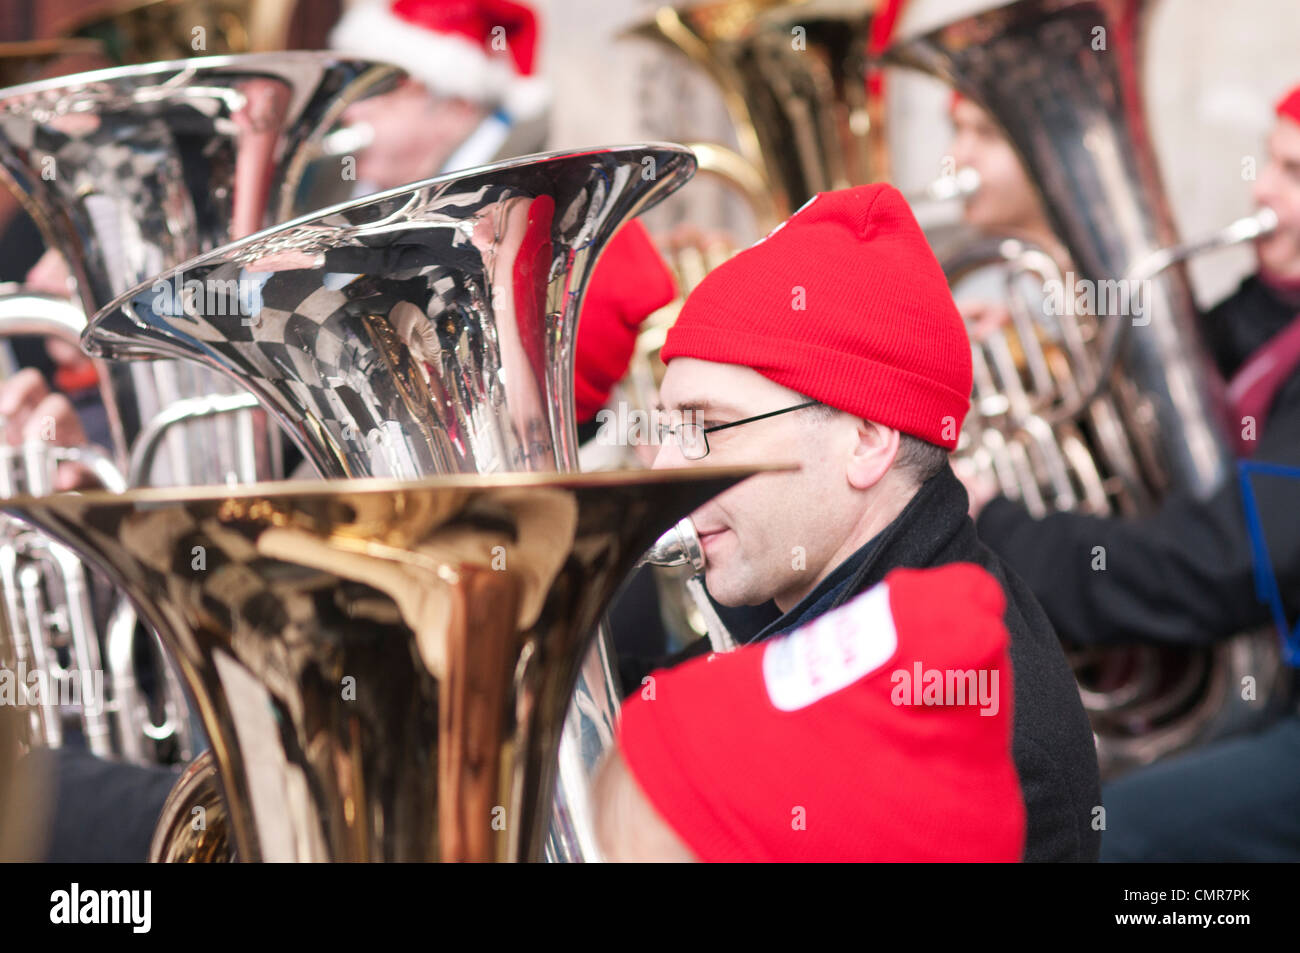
[1288,107]
[480,50]
[630,283]
[846,304]
[833,743]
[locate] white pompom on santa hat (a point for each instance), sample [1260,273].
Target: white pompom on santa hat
[480,50]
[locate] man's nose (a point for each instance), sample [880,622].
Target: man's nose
[669,455]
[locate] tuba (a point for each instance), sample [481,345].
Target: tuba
[424,330]
[127,171]
[148,31]
[383,667]
[793,77]
[1092,415]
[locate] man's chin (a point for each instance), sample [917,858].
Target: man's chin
[1278,257]
[730,592]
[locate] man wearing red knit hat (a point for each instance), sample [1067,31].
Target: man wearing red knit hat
[1184,575]
[834,343]
[826,744]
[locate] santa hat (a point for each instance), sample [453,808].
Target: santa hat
[480,50]
[844,303]
[1288,107]
[881,731]
[629,284]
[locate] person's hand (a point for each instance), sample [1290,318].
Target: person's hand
[29,412]
[979,483]
[983,318]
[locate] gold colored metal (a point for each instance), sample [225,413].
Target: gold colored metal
[194,827]
[793,79]
[383,667]
[23,61]
[145,31]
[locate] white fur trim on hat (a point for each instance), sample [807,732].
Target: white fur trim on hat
[449,65]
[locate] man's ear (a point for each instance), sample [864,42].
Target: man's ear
[873,454]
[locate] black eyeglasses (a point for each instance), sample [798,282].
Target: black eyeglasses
[693,438]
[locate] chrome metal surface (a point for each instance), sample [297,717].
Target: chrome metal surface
[86,666]
[383,668]
[429,329]
[133,170]
[681,546]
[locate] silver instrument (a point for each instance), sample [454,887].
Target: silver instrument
[128,171]
[1106,411]
[80,670]
[680,546]
[962,184]
[132,170]
[424,330]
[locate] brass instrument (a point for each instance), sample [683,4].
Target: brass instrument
[681,546]
[128,171]
[428,329]
[48,623]
[962,184]
[1105,411]
[383,667]
[24,61]
[793,79]
[148,31]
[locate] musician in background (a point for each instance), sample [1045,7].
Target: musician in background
[834,343]
[1183,575]
[473,96]
[1005,205]
[818,746]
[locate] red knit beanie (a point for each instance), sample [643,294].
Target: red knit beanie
[846,304]
[881,731]
[630,283]
[1288,107]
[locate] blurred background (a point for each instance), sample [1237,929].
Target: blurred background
[1212,71]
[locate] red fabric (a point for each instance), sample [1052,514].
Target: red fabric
[853,775]
[74,378]
[1288,107]
[629,284]
[529,276]
[883,25]
[475,20]
[1256,383]
[878,334]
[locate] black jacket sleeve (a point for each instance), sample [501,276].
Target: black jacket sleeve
[1183,575]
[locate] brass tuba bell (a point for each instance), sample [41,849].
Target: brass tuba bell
[383,667]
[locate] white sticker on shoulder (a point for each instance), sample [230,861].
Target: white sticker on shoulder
[830,653]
